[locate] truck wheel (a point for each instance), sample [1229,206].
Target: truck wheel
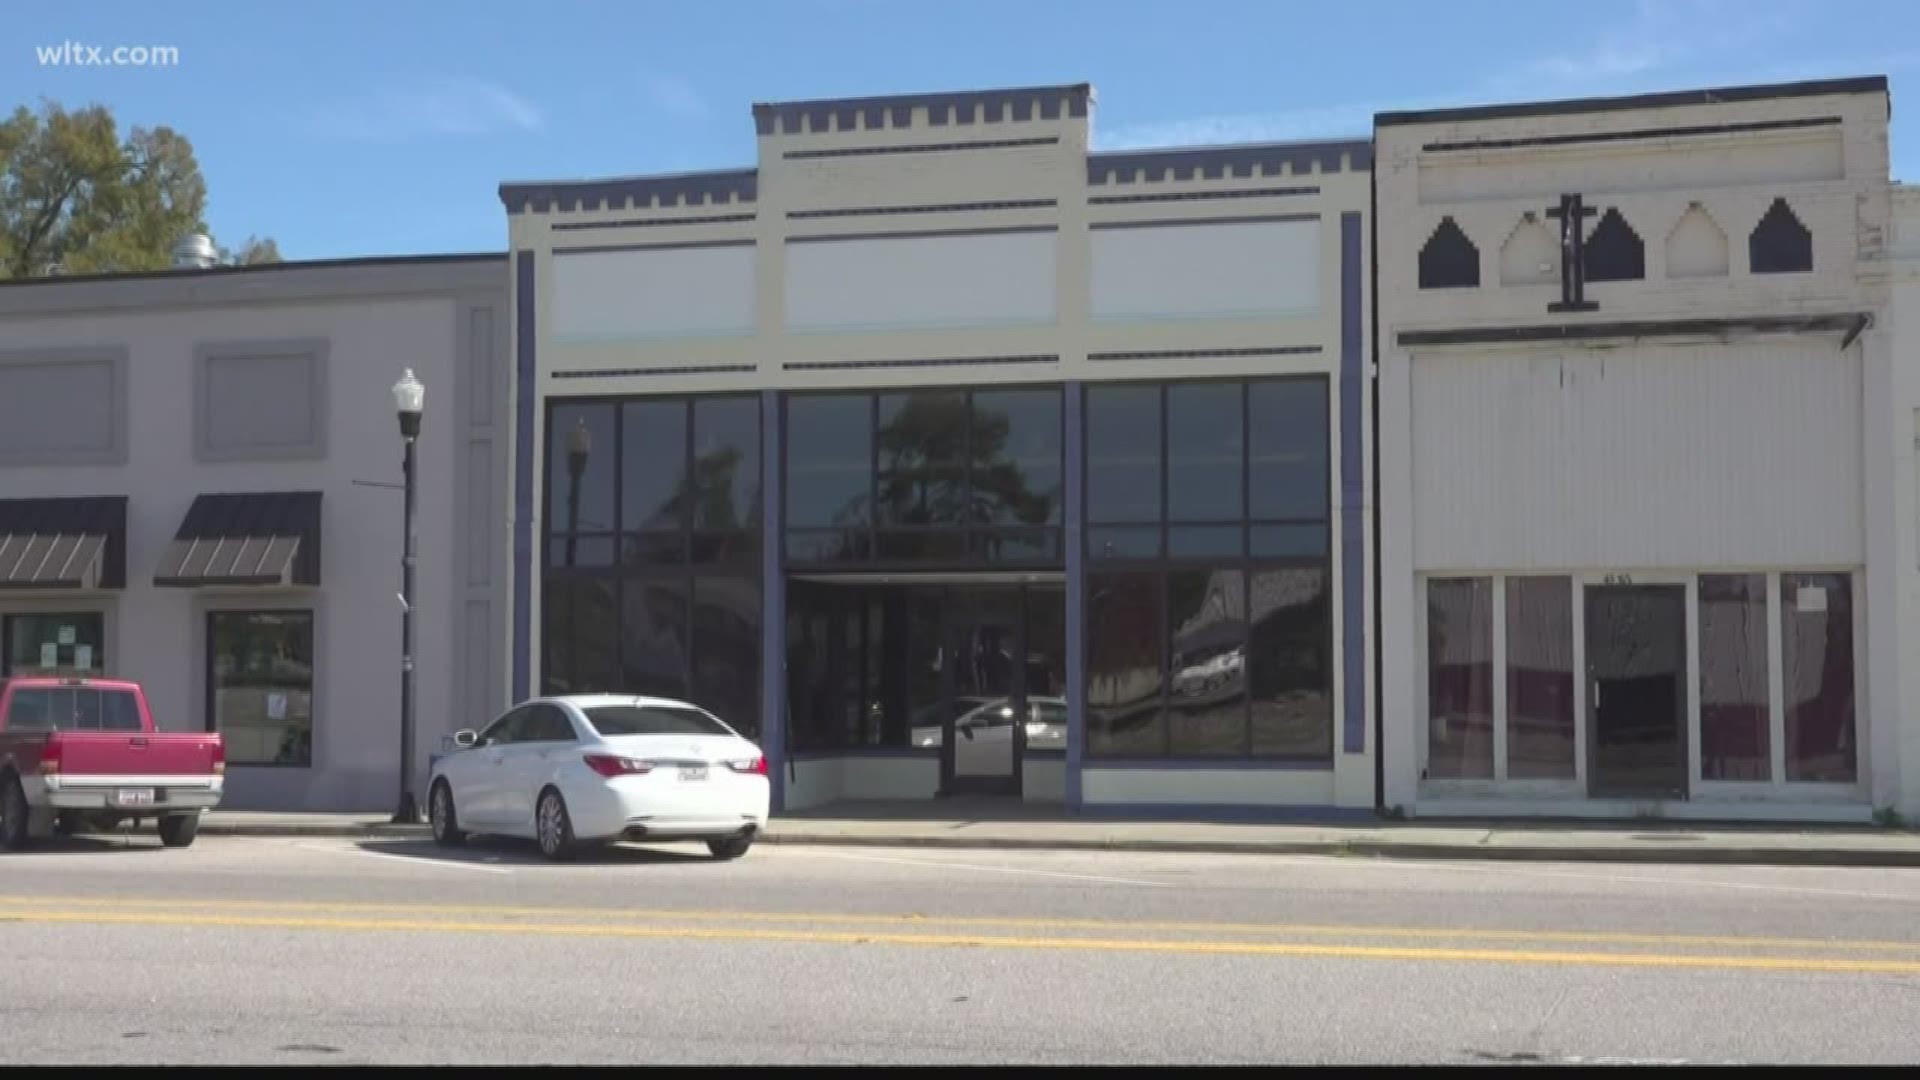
[178,830]
[13,814]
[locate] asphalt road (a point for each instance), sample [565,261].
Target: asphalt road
[252,950]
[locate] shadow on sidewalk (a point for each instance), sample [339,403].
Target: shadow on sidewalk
[502,851]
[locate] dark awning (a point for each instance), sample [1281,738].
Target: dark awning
[77,543]
[260,538]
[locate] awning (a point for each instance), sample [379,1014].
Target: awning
[75,543]
[258,538]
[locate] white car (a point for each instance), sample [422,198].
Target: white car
[985,733]
[596,768]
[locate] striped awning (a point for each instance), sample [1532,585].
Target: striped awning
[72,543]
[255,538]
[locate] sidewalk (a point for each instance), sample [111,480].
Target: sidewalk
[912,825]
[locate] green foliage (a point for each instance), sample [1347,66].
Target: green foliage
[77,198]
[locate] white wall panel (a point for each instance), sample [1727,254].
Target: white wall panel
[1258,268]
[653,293]
[1201,787]
[1744,454]
[997,279]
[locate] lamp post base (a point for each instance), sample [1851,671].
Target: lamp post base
[407,813]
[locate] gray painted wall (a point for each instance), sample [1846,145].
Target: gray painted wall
[277,380]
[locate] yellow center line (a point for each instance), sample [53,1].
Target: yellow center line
[848,937]
[162,904]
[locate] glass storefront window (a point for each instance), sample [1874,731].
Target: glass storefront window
[1125,665]
[1290,663]
[1460,678]
[1289,476]
[1016,458]
[1123,454]
[1205,452]
[1816,630]
[57,643]
[582,443]
[726,465]
[260,679]
[653,466]
[829,460]
[1207,662]
[1540,721]
[1734,699]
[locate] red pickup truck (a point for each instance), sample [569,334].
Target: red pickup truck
[83,754]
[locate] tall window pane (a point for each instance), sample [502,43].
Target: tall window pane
[261,675]
[922,444]
[1817,662]
[653,466]
[1207,652]
[1016,457]
[1734,720]
[1206,452]
[580,449]
[1290,664]
[1125,628]
[653,636]
[726,650]
[726,464]
[1540,729]
[1460,677]
[580,627]
[829,460]
[1287,458]
[1123,453]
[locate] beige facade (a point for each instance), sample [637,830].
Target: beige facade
[965,240]
[158,389]
[1703,403]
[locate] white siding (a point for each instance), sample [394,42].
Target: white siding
[998,279]
[653,293]
[1207,271]
[1699,456]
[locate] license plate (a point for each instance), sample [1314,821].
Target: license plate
[693,772]
[133,796]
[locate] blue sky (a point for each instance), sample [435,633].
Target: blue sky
[359,128]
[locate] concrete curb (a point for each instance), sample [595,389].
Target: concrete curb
[1360,849]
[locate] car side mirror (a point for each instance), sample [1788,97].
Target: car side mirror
[465,738]
[967,732]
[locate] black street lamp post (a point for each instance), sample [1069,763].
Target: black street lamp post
[409,397]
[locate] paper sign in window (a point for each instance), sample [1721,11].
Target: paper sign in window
[83,657]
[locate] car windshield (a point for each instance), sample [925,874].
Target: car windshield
[78,709]
[653,720]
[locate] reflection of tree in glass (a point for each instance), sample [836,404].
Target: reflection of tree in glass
[942,462]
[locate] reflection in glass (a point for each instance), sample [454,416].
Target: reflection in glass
[1204,541]
[829,459]
[1123,453]
[1816,627]
[1540,729]
[1460,677]
[1290,664]
[1287,461]
[1205,452]
[653,637]
[1124,541]
[1734,708]
[580,631]
[262,681]
[1015,457]
[726,464]
[1125,631]
[726,650]
[922,444]
[1046,672]
[1207,655]
[653,466]
[1288,541]
[68,639]
[580,449]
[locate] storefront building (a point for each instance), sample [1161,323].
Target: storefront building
[1028,470]
[1646,446]
[197,491]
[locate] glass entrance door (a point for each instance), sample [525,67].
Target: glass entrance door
[1637,691]
[986,642]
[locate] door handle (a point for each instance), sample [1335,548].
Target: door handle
[137,743]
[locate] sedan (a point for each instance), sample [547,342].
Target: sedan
[597,768]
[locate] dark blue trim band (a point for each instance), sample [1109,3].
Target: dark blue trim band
[1076,616]
[524,390]
[773,604]
[1353,643]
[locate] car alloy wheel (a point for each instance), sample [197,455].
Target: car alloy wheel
[446,829]
[553,828]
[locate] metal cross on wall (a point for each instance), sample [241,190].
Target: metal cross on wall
[1572,214]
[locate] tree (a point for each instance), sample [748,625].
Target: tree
[256,251]
[76,198]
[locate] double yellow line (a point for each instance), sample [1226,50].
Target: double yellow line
[828,928]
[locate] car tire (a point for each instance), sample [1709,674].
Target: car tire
[178,830]
[553,827]
[14,812]
[731,848]
[441,813]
